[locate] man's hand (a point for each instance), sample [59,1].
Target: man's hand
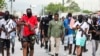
[78,27]
[27,24]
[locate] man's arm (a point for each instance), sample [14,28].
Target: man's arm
[63,30]
[49,29]
[33,25]
[75,26]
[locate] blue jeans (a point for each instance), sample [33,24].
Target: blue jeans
[12,40]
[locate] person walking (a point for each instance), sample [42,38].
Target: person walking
[94,29]
[68,39]
[55,31]
[12,31]
[5,33]
[82,28]
[29,23]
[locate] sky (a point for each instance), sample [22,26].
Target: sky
[22,5]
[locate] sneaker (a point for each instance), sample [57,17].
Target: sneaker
[56,54]
[42,45]
[46,47]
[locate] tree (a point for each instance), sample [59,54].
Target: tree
[55,8]
[69,1]
[2,4]
[87,11]
[73,6]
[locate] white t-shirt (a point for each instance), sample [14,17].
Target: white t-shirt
[83,25]
[9,25]
[89,21]
[3,22]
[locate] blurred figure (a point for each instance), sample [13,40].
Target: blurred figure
[84,49]
[82,28]
[44,24]
[12,30]
[55,31]
[62,38]
[94,29]
[44,31]
[29,23]
[75,31]
[38,31]
[98,21]
[68,39]
[5,33]
[63,18]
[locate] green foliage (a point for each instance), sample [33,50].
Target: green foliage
[55,8]
[87,11]
[69,1]
[2,4]
[73,6]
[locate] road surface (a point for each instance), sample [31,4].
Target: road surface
[41,52]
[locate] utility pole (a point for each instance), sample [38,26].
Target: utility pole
[43,10]
[11,7]
[63,2]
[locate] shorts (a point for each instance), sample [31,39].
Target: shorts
[68,40]
[5,42]
[29,39]
[80,41]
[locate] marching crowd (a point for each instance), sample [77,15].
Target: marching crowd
[49,32]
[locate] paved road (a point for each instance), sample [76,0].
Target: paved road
[41,52]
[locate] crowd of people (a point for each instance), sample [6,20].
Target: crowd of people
[49,32]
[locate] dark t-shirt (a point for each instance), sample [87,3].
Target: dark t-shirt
[44,24]
[94,35]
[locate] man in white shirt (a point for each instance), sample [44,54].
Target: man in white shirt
[5,39]
[12,31]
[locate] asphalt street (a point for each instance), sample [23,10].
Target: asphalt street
[41,51]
